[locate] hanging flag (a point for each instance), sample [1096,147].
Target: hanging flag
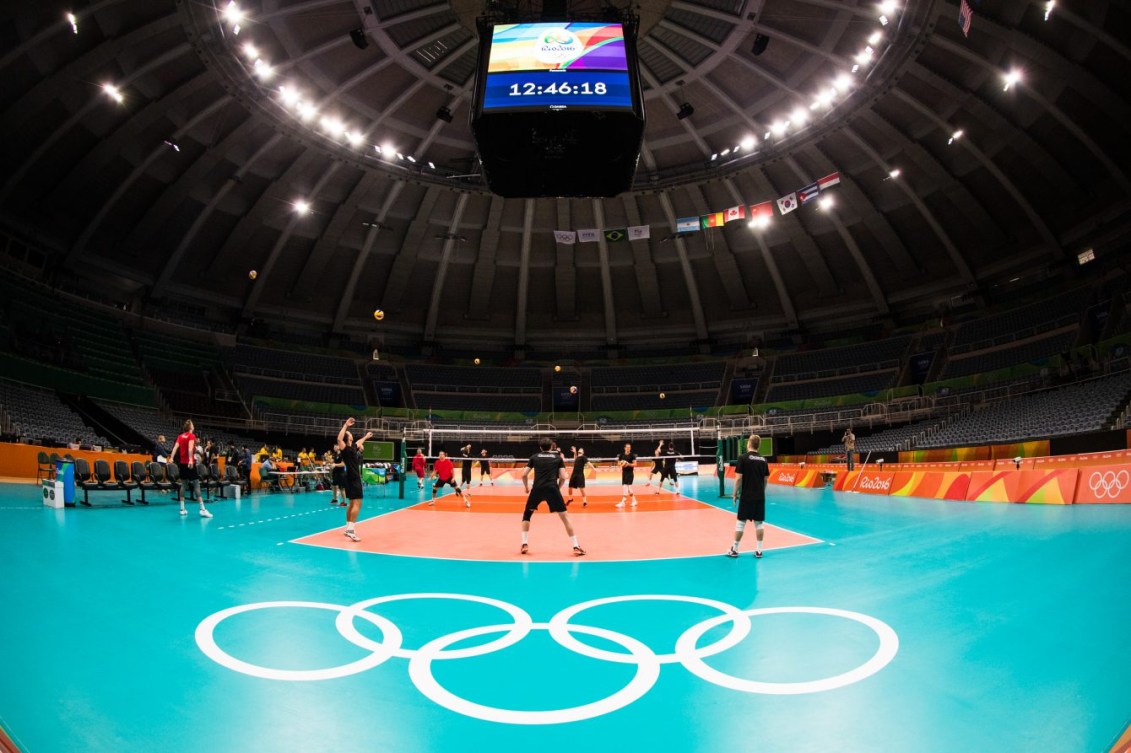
[568,237]
[639,232]
[807,194]
[735,213]
[589,235]
[787,203]
[762,212]
[829,181]
[615,235]
[965,17]
[687,225]
[715,219]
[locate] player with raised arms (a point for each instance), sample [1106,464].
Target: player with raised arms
[577,477]
[657,467]
[350,452]
[668,471]
[627,462]
[485,467]
[549,473]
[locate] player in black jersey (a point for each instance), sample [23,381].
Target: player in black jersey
[465,470]
[751,473]
[485,467]
[669,455]
[338,478]
[549,473]
[627,462]
[657,467]
[351,458]
[577,478]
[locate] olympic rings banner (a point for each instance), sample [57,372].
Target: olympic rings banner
[1104,484]
[648,663]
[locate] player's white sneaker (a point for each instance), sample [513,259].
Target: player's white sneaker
[620,505]
[352,536]
[204,513]
[634,502]
[431,501]
[467,503]
[184,511]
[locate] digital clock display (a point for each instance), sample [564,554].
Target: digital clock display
[557,66]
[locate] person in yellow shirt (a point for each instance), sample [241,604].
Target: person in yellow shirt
[278,453]
[262,453]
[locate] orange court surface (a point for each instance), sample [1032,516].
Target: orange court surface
[663,526]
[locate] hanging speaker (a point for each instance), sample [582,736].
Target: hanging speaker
[359,39]
[760,43]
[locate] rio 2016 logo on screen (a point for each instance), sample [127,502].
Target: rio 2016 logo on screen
[557,66]
[557,47]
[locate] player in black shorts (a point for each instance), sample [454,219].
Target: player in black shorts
[751,473]
[338,478]
[657,467]
[626,460]
[351,458]
[549,473]
[577,478]
[485,467]
[668,471]
[468,463]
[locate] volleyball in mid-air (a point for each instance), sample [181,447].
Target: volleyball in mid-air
[378,314]
[476,361]
[557,368]
[573,390]
[252,275]
[662,396]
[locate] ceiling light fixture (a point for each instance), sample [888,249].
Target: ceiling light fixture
[954,137]
[233,15]
[113,93]
[826,203]
[73,20]
[875,38]
[1048,9]
[749,142]
[1010,79]
[301,206]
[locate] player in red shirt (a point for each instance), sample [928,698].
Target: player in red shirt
[418,467]
[184,454]
[444,473]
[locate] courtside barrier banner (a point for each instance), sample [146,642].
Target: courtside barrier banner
[1026,464]
[993,486]
[785,476]
[811,478]
[931,484]
[1104,484]
[867,482]
[1056,487]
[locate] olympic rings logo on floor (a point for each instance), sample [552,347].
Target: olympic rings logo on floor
[647,662]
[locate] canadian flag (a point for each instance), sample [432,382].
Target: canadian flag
[735,213]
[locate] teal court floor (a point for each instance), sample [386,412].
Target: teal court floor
[913,625]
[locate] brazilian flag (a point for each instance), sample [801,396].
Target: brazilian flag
[616,235]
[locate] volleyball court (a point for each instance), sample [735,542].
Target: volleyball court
[663,524]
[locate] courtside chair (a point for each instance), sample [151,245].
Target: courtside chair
[123,481]
[44,468]
[207,484]
[141,477]
[84,481]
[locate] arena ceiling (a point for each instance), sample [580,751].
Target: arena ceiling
[950,180]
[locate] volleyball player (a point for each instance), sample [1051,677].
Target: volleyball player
[337,478]
[669,466]
[626,460]
[549,473]
[751,473]
[577,478]
[465,469]
[485,468]
[444,473]
[657,467]
[184,454]
[418,463]
[351,459]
